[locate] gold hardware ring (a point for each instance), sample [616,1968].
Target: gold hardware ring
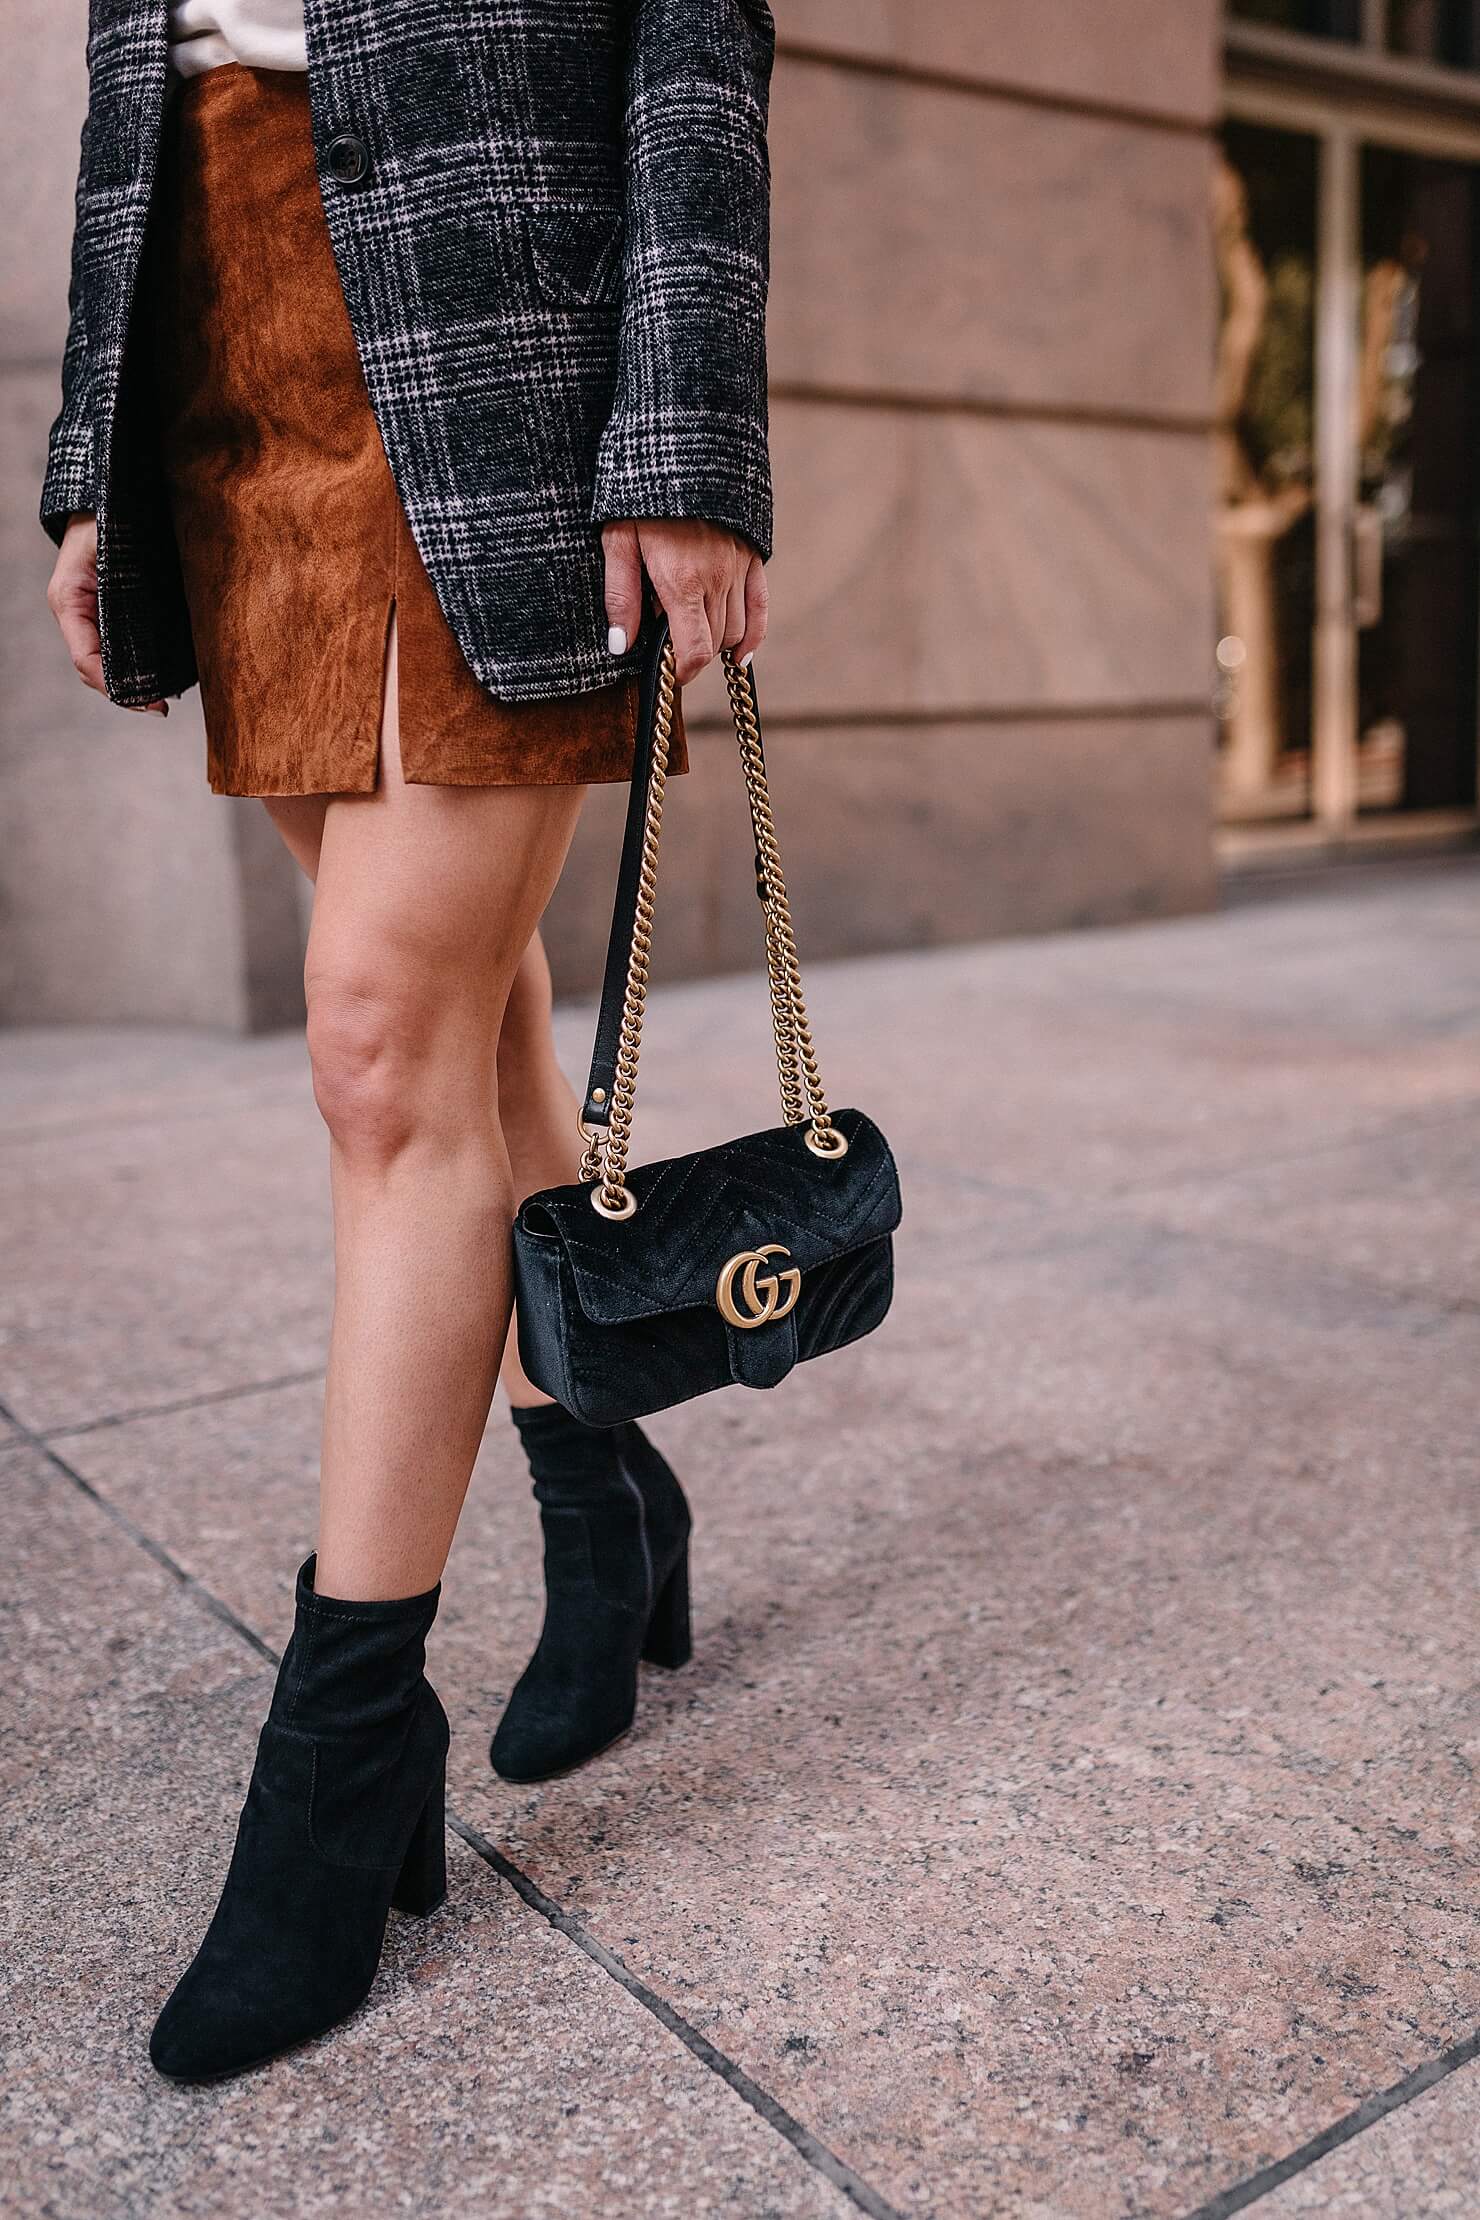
[624,1209]
[826,1142]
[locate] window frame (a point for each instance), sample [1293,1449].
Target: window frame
[1351,69]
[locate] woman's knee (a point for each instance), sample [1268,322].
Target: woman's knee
[369,1052]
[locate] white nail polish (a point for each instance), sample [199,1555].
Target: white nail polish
[747,660]
[616,641]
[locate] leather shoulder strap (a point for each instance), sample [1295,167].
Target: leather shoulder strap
[596,1110]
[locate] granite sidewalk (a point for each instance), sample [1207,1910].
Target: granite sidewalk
[1071,1809]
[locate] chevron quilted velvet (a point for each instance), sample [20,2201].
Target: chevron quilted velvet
[621,1317]
[695,1212]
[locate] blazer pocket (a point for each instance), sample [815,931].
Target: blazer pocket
[577,255]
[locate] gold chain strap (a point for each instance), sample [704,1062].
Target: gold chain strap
[802,1098]
[788,1071]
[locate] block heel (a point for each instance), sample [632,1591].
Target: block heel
[421,1885]
[669,1640]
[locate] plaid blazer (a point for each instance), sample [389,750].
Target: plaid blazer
[554,256]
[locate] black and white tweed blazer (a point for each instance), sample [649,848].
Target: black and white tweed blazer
[555,263]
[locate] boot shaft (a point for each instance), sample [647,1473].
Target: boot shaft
[343,1817]
[352,1668]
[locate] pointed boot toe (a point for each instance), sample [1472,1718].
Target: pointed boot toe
[205,2035]
[181,2047]
[546,1730]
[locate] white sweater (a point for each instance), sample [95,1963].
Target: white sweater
[262,34]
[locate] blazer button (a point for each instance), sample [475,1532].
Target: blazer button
[349,158]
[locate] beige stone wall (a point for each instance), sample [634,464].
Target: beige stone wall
[991,349]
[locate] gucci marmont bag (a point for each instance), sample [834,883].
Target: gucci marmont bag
[640,1288]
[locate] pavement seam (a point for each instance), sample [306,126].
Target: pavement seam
[1356,2122]
[771,2110]
[200,1402]
[138,1536]
[808,2147]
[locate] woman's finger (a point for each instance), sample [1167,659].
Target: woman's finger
[734,631]
[716,610]
[78,626]
[757,610]
[623,586]
[72,597]
[692,632]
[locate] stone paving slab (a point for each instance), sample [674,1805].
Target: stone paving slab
[163,1255]
[1418,2161]
[1070,1807]
[1145,1751]
[494,2070]
[1372,955]
[1401,1208]
[1085,1065]
[75,1079]
[1007,1069]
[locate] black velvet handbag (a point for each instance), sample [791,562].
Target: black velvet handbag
[637,1290]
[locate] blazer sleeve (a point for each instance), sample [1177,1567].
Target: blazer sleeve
[687,433]
[70,486]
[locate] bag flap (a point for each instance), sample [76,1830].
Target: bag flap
[695,1214]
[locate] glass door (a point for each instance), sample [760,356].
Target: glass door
[1348,498]
[1416,588]
[1266,231]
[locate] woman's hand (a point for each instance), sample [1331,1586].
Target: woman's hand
[712,587]
[72,598]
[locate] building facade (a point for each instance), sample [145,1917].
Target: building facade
[1083,542]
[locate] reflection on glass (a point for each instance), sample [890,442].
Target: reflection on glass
[1331,19]
[1265,231]
[1435,31]
[1417,575]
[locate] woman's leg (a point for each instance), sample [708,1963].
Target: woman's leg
[607,1497]
[537,1104]
[300,820]
[615,1522]
[426,900]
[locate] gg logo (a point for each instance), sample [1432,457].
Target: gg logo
[759,1292]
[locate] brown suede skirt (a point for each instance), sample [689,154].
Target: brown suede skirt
[294,548]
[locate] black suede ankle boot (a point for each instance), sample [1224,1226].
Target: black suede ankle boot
[343,1819]
[616,1532]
